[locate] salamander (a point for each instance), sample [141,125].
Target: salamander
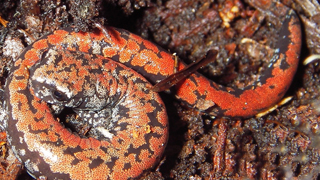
[105,77]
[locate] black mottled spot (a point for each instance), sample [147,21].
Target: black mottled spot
[75,161]
[37,131]
[116,58]
[19,77]
[137,151]
[111,82]
[38,119]
[72,151]
[198,95]
[59,142]
[124,111]
[66,69]
[123,126]
[271,87]
[44,55]
[85,63]
[284,38]
[95,163]
[58,58]
[153,115]
[112,163]
[194,80]
[20,105]
[50,72]
[104,149]
[127,166]
[120,141]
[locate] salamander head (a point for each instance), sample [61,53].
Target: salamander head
[67,79]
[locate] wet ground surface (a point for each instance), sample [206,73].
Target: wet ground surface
[281,144]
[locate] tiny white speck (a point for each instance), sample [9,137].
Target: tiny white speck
[21,140]
[104,132]
[22,152]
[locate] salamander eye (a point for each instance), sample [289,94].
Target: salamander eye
[60,96]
